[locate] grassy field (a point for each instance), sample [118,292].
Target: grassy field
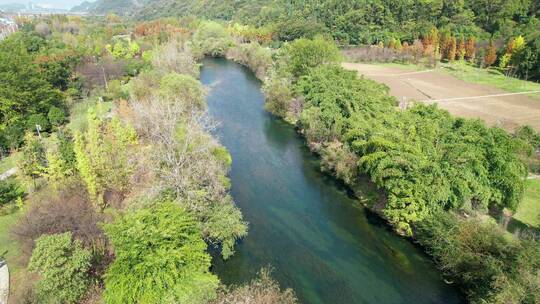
[472,74]
[9,248]
[489,77]
[529,209]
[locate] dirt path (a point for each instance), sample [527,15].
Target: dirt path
[8,173]
[4,282]
[447,91]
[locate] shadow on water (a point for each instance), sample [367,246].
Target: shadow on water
[303,222]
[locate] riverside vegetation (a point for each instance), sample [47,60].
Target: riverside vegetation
[439,176]
[122,207]
[107,196]
[502,34]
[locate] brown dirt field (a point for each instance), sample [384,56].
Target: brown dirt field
[504,111]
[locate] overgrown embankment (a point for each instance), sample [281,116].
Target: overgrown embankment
[132,193]
[431,166]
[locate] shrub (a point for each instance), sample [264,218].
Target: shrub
[490,266]
[262,290]
[63,266]
[184,87]
[278,95]
[35,120]
[211,39]
[254,56]
[303,54]
[9,191]
[69,210]
[56,116]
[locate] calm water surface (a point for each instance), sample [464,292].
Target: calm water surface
[317,238]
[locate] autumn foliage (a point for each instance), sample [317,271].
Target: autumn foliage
[491,55]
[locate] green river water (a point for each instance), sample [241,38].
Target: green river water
[317,238]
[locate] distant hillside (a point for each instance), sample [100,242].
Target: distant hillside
[12,7]
[351,21]
[150,9]
[86,6]
[119,7]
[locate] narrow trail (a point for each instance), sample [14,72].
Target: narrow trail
[4,282]
[8,173]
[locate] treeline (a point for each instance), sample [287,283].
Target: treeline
[123,207]
[490,26]
[428,164]
[50,64]
[355,22]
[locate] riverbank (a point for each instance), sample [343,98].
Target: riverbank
[354,126]
[317,237]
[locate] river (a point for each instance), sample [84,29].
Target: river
[318,240]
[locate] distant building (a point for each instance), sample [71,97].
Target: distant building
[7,27]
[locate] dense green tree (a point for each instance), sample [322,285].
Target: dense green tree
[291,30]
[354,21]
[24,88]
[37,122]
[212,39]
[63,267]
[303,54]
[492,14]
[160,257]
[56,116]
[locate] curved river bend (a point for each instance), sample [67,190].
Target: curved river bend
[302,223]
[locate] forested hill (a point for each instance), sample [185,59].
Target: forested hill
[355,21]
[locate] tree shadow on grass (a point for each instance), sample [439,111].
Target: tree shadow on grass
[517,226]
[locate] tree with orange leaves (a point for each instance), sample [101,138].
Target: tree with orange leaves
[491,55]
[470,49]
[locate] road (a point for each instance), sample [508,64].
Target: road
[489,104]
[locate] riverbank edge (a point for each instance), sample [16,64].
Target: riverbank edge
[378,205]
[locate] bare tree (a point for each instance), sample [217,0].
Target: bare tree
[43,29]
[95,73]
[175,57]
[262,290]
